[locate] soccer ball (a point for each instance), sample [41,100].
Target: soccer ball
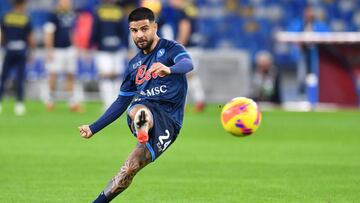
[241,117]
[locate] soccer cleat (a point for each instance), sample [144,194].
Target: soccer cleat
[200,107]
[76,108]
[19,109]
[142,136]
[141,124]
[50,106]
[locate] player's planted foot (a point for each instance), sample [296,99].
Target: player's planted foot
[200,107]
[50,106]
[19,109]
[142,127]
[76,108]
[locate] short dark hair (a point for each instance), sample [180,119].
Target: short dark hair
[141,13]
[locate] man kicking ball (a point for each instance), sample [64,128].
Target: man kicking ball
[155,87]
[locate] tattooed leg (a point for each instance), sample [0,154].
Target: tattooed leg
[137,160]
[142,122]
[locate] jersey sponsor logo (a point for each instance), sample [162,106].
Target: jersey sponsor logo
[143,75]
[16,20]
[164,141]
[154,91]
[112,14]
[160,53]
[137,64]
[66,19]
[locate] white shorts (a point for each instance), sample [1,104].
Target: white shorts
[110,62]
[63,61]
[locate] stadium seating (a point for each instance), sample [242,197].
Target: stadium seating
[247,24]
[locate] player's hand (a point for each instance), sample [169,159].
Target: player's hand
[85,131]
[159,69]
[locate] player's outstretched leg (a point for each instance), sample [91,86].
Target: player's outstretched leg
[138,159]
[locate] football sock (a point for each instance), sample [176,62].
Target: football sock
[196,89]
[101,198]
[116,86]
[20,82]
[45,93]
[77,95]
[106,92]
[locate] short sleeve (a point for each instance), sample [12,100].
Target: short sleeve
[178,52]
[183,16]
[28,27]
[1,23]
[50,25]
[128,87]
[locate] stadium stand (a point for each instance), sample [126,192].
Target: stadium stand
[246,25]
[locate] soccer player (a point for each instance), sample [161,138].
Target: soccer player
[110,35]
[16,35]
[61,55]
[156,79]
[177,21]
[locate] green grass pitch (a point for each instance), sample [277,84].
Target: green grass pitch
[294,157]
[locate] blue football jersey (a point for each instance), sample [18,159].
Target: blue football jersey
[109,31]
[64,21]
[16,28]
[168,91]
[172,17]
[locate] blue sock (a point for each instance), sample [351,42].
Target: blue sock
[101,198]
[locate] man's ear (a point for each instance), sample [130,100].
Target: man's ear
[155,26]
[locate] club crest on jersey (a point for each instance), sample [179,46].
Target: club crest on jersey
[143,75]
[160,53]
[137,64]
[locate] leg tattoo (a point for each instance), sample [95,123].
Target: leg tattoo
[141,121]
[137,160]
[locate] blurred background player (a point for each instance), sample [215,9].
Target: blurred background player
[266,79]
[16,36]
[177,21]
[308,23]
[61,55]
[109,35]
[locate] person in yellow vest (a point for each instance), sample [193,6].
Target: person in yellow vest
[16,37]
[178,21]
[110,37]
